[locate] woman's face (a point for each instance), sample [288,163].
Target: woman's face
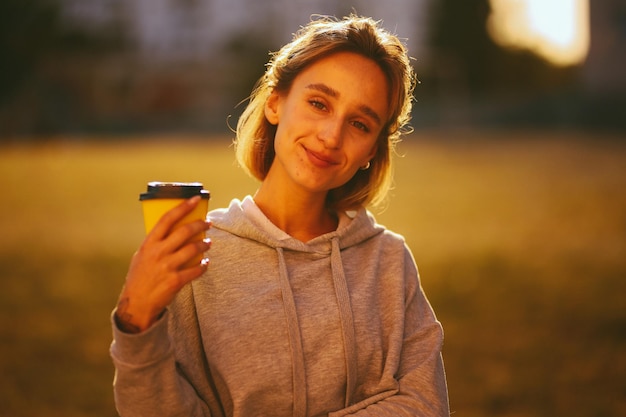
[328,122]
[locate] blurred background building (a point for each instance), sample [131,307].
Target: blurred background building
[115,66]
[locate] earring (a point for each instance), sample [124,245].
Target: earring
[366,166]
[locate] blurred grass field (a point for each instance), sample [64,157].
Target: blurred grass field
[520,238]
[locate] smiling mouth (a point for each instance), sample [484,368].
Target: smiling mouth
[319,159]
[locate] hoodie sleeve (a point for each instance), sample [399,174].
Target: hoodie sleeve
[421,382]
[150,377]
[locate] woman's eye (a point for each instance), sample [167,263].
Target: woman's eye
[361,126]
[317,104]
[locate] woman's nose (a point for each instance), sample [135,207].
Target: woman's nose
[331,132]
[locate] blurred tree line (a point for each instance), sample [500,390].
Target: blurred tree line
[58,78]
[41,57]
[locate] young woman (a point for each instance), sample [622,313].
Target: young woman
[308,307]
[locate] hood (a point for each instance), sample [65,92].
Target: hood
[354,228]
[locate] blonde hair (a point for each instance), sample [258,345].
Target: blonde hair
[322,37]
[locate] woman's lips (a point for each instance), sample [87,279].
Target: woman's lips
[319,159]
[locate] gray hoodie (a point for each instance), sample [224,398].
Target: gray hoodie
[277,327]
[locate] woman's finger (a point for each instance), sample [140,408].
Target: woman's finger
[184,234]
[187,275]
[184,255]
[167,222]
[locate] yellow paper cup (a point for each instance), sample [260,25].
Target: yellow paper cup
[164,196]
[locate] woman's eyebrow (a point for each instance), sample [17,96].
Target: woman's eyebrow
[334,93]
[371,113]
[324,89]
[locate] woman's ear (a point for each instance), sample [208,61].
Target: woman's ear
[271,108]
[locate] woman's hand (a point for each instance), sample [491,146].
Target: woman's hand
[157,271]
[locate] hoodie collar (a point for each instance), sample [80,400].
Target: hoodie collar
[245,219]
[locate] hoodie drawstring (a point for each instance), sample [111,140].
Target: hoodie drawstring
[295,340]
[345,315]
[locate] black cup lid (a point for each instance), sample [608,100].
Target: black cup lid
[158,189]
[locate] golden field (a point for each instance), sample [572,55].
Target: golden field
[520,238]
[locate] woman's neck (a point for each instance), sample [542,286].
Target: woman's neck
[301,215]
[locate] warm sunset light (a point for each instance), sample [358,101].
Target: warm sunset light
[558,30]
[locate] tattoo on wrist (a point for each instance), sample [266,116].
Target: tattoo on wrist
[123,319]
